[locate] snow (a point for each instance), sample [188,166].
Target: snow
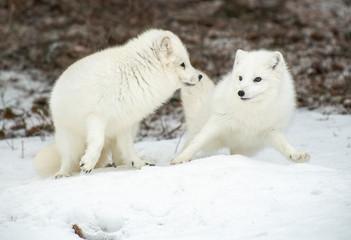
[215,197]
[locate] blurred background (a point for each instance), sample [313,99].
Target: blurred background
[40,38]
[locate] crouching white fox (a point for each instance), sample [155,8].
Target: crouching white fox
[98,102]
[247,111]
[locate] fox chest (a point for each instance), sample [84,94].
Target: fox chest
[245,135]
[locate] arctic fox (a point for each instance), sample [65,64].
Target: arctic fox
[98,102]
[247,111]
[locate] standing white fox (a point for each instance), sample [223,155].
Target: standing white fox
[98,102]
[248,110]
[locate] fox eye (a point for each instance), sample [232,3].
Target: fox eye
[258,79]
[240,78]
[182,65]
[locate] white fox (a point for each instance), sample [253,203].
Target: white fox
[98,102]
[247,111]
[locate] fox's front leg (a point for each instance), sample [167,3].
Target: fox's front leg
[278,140]
[95,129]
[208,131]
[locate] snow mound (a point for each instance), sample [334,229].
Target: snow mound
[217,197]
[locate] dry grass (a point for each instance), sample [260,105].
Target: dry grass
[314,36]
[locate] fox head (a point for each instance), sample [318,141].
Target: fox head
[175,59]
[257,74]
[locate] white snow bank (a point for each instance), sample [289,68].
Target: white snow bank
[218,197]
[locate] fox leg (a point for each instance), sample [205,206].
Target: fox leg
[71,148]
[208,132]
[103,156]
[95,131]
[278,141]
[125,148]
[116,153]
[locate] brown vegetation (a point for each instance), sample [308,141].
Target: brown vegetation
[314,36]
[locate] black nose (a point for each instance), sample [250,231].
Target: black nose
[241,93]
[200,77]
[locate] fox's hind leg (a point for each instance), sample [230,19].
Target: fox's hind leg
[278,140]
[125,148]
[71,148]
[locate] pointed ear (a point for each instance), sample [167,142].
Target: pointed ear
[276,61]
[239,56]
[165,45]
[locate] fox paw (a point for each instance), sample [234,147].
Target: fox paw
[179,160]
[86,164]
[61,175]
[141,163]
[300,157]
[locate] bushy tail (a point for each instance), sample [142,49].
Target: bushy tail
[47,161]
[193,100]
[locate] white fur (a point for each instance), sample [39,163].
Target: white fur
[98,102]
[193,97]
[244,124]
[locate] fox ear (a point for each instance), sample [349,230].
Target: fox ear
[276,61]
[165,45]
[238,56]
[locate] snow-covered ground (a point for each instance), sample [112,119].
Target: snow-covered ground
[23,97]
[218,197]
